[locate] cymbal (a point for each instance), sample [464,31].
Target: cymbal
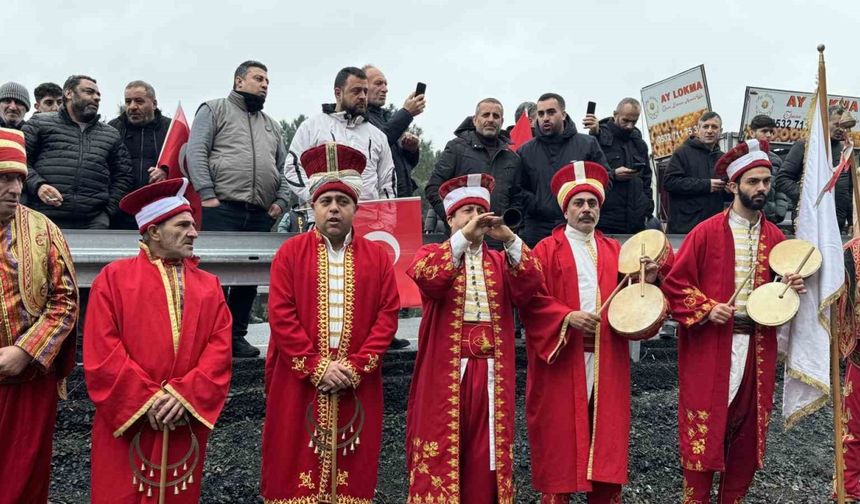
[655,247]
[765,306]
[787,255]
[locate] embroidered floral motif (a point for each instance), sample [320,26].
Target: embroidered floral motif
[695,297]
[306,480]
[688,494]
[372,362]
[299,363]
[342,478]
[697,433]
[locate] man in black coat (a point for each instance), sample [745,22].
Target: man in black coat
[695,192]
[630,201]
[556,144]
[404,145]
[788,178]
[143,130]
[78,168]
[480,148]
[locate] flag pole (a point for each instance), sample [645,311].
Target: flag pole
[835,380]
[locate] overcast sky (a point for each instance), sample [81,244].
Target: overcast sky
[464,50]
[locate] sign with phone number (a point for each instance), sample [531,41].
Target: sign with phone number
[672,108]
[789,111]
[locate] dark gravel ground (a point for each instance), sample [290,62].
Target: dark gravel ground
[797,468]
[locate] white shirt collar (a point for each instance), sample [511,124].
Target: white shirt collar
[574,234]
[738,219]
[346,242]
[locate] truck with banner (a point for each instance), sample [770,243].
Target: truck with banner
[672,108]
[789,109]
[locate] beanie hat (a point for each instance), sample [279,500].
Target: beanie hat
[16,92]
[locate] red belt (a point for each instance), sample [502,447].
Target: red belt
[477,341]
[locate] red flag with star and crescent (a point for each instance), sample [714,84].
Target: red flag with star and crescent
[173,159]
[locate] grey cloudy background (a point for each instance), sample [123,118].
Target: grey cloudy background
[464,51]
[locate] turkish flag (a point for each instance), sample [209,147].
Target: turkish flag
[173,158]
[396,225]
[521,132]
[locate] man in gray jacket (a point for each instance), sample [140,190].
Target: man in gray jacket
[235,160]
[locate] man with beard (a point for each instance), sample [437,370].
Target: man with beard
[404,145]
[630,202]
[333,306]
[726,362]
[556,144]
[695,192]
[143,129]
[156,357]
[480,147]
[40,303]
[346,123]
[788,178]
[49,98]
[235,161]
[14,105]
[79,167]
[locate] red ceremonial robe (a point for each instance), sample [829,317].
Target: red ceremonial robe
[433,421]
[135,343]
[704,275]
[567,454]
[293,472]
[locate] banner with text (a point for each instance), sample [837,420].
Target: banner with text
[672,107]
[789,109]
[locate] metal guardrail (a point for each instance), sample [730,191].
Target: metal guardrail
[236,258]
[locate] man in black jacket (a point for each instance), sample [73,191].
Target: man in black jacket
[143,130]
[404,145]
[78,167]
[630,202]
[556,144]
[788,178]
[480,148]
[695,192]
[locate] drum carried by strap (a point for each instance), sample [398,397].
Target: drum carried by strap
[636,311]
[776,303]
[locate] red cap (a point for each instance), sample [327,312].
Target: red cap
[474,189]
[155,203]
[334,167]
[744,156]
[577,177]
[13,153]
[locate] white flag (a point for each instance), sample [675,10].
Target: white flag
[805,342]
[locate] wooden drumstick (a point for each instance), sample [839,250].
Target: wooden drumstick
[162,484]
[616,291]
[642,271]
[797,271]
[731,301]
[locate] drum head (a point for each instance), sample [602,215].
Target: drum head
[632,313]
[765,306]
[787,255]
[655,246]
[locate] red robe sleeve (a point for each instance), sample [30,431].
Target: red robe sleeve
[433,270]
[367,359]
[287,333]
[688,304]
[525,279]
[119,388]
[203,390]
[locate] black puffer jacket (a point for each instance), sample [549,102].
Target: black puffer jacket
[90,168]
[465,155]
[787,180]
[143,144]
[542,157]
[688,182]
[630,202]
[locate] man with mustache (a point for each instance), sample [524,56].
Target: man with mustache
[40,304]
[346,123]
[726,362]
[79,167]
[556,143]
[235,159]
[788,178]
[143,129]
[14,105]
[695,192]
[156,355]
[578,380]
[333,306]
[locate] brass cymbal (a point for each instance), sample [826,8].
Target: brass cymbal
[787,255]
[766,307]
[655,248]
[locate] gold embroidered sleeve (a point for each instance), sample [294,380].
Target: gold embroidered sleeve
[355,377]
[562,339]
[697,305]
[319,370]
